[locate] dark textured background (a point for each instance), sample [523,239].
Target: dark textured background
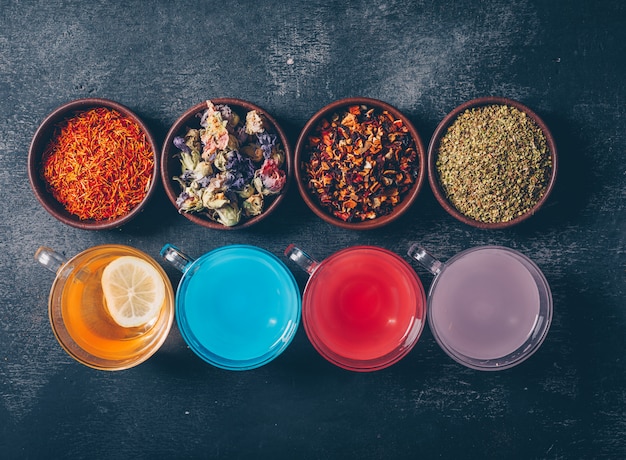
[564,59]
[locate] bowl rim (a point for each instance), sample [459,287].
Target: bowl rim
[409,198]
[175,129]
[39,142]
[433,153]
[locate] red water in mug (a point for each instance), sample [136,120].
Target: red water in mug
[363,303]
[484,304]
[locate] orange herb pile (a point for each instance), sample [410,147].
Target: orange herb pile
[98,164]
[361,163]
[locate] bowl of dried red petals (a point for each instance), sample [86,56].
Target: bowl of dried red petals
[360,163]
[93,164]
[492,163]
[226,164]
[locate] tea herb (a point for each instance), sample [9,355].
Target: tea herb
[493,163]
[98,164]
[360,163]
[231,168]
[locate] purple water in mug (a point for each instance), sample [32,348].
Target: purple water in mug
[489,307]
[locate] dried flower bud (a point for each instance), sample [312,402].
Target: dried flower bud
[217,182]
[214,199]
[233,143]
[192,140]
[253,205]
[228,214]
[247,191]
[189,161]
[202,169]
[221,159]
[269,180]
[254,122]
[189,201]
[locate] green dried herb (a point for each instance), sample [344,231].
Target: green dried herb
[494,163]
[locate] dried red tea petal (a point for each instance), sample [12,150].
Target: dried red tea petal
[360,163]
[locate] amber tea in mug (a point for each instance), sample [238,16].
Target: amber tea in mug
[80,320]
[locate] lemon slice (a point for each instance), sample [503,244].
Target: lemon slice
[133,291]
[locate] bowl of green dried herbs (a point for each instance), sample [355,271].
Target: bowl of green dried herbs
[226,164]
[359,163]
[492,163]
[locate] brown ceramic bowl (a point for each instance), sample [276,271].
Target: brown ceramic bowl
[171,166]
[44,135]
[433,151]
[301,156]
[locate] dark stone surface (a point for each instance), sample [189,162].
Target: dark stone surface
[563,59]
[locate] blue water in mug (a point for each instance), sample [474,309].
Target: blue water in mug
[238,307]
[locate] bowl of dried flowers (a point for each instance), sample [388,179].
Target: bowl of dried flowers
[93,164]
[492,163]
[360,163]
[226,164]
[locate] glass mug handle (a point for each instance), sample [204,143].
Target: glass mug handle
[50,259]
[425,258]
[301,258]
[176,257]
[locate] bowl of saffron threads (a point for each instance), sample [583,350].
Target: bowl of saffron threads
[93,164]
[226,164]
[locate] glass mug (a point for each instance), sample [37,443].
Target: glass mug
[363,308]
[80,319]
[489,307]
[237,307]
